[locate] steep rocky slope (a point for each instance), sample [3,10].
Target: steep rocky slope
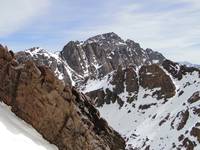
[60,113]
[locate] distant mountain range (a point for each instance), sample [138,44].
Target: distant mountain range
[189,64]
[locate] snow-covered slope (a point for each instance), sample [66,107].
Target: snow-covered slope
[151,123]
[16,134]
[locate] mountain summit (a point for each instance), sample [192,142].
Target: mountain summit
[101,54]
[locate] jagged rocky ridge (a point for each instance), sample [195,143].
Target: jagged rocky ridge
[153,102]
[64,116]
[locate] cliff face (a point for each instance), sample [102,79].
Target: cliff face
[101,54]
[154,77]
[60,113]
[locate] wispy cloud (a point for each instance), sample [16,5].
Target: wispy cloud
[171,27]
[16,14]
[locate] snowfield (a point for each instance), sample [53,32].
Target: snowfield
[16,134]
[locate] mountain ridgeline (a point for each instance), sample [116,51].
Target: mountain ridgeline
[151,101]
[101,54]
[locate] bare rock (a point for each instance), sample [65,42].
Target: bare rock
[153,76]
[194,98]
[118,80]
[196,132]
[180,120]
[131,80]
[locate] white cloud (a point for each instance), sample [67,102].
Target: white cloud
[172,31]
[171,27]
[15,14]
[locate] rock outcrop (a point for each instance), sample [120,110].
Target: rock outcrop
[153,76]
[131,80]
[194,98]
[60,113]
[122,80]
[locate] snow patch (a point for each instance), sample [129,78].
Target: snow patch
[16,134]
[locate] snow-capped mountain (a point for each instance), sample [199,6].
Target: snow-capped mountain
[101,54]
[93,58]
[151,101]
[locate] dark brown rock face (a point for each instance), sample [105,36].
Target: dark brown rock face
[118,80]
[196,132]
[183,115]
[153,76]
[62,115]
[131,80]
[127,77]
[102,97]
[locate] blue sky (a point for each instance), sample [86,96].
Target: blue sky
[171,27]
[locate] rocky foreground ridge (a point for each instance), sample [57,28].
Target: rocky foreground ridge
[64,116]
